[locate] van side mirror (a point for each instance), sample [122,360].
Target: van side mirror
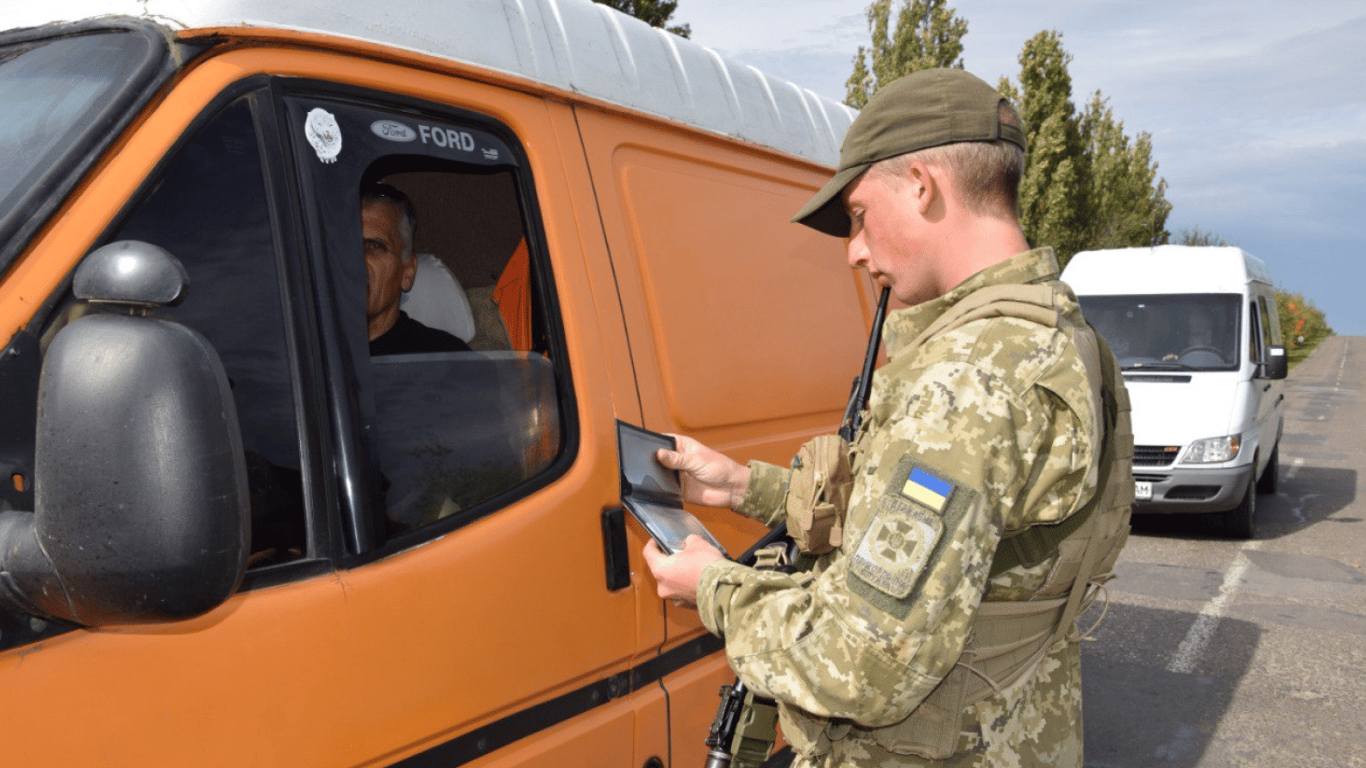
[140,491]
[1276,365]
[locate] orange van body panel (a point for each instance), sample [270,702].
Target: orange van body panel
[198,687]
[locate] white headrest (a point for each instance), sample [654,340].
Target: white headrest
[437,300]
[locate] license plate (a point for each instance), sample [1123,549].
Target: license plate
[1143,491]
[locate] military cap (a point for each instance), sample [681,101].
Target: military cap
[924,109]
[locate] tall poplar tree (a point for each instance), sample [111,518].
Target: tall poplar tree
[927,35]
[1054,202]
[1127,199]
[656,13]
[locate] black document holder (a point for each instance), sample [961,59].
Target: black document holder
[652,493]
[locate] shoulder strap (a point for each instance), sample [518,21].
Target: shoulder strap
[1033,302]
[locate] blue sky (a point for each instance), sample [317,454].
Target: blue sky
[1257,109]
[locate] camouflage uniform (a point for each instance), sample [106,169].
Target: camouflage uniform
[996,420]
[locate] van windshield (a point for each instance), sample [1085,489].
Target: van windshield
[51,93]
[1191,331]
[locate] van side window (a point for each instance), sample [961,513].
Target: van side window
[209,209]
[428,239]
[1256,344]
[1271,323]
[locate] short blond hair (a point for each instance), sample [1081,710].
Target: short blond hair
[986,174]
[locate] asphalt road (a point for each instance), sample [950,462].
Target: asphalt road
[1222,653]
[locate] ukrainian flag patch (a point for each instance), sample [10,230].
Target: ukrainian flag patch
[933,492]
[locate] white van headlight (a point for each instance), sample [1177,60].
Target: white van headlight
[1212,450]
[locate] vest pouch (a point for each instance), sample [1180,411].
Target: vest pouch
[818,494]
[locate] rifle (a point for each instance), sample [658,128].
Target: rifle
[863,385]
[743,731]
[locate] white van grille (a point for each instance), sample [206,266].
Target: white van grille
[1155,455]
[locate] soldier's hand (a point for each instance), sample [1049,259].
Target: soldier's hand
[677,575]
[709,477]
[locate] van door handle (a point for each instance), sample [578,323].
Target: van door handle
[1267,386]
[615,556]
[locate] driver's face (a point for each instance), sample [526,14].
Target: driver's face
[388,263]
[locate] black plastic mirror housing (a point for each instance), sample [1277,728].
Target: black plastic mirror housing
[1276,365]
[140,492]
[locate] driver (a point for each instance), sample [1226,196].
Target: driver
[1201,329]
[388,221]
[1200,334]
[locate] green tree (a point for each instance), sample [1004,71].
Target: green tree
[656,13]
[1303,325]
[1127,201]
[1086,184]
[1054,202]
[1197,236]
[927,35]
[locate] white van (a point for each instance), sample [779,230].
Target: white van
[1198,338]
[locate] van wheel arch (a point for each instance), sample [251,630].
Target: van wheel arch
[1239,522]
[1270,480]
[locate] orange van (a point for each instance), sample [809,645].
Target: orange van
[229,536]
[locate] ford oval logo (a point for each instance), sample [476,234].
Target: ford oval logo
[393,131]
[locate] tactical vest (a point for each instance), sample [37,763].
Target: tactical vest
[1009,638]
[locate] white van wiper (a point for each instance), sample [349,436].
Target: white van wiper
[1158,366]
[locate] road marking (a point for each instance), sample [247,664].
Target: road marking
[1300,502]
[1198,638]
[1193,647]
[1201,633]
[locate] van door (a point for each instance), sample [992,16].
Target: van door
[1271,392]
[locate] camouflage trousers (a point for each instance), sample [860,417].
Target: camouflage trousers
[1035,723]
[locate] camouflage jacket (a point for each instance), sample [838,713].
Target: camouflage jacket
[981,430]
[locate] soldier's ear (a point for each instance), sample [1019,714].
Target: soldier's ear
[925,185]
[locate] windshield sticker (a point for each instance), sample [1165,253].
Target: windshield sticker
[324,134]
[392,130]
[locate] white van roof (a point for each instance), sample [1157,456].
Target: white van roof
[1164,269]
[574,45]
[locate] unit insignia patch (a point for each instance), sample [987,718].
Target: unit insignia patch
[896,547]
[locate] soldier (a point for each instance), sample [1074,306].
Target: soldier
[991,477]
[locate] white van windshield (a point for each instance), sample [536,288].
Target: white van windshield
[1192,331]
